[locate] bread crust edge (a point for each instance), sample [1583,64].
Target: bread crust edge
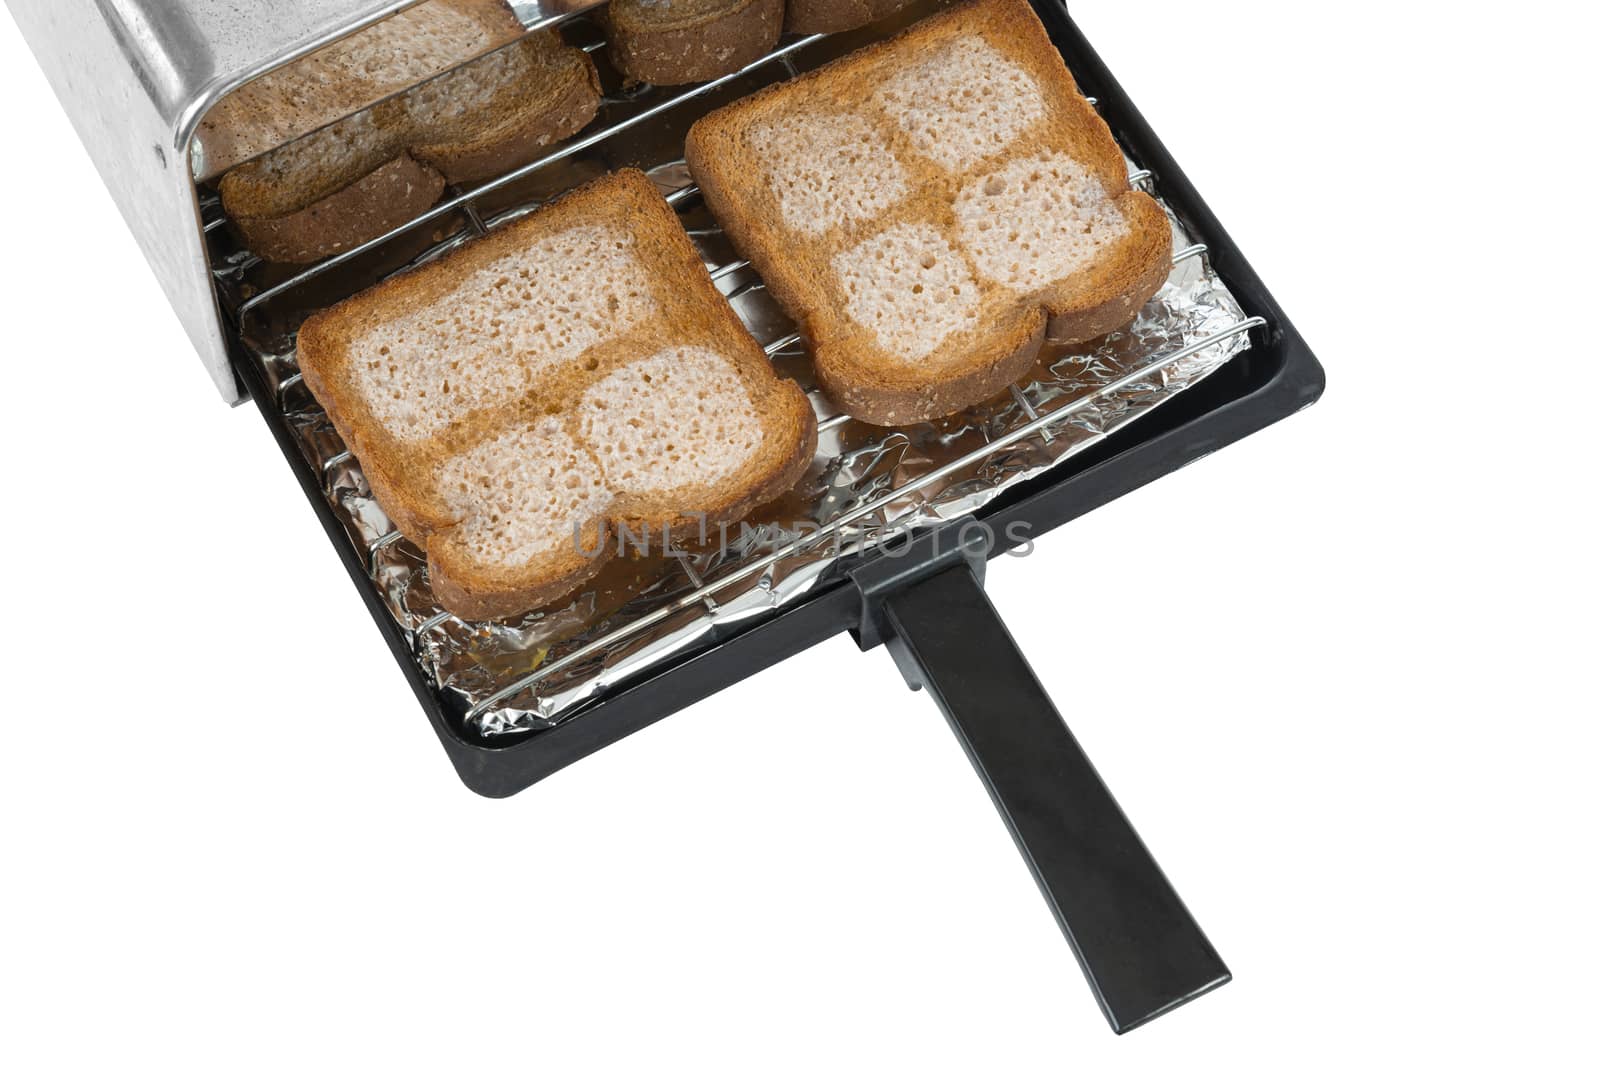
[390,196]
[717,44]
[518,142]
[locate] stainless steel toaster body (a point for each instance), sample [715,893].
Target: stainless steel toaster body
[136,77]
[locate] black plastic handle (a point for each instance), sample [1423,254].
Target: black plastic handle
[1140,949]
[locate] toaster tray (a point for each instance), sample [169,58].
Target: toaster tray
[1272,377]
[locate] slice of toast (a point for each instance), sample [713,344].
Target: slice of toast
[924,206]
[674,42]
[349,75]
[836,16]
[366,174]
[513,401]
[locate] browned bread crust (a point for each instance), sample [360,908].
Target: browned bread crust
[685,310]
[673,42]
[522,131]
[863,377]
[836,16]
[316,196]
[395,193]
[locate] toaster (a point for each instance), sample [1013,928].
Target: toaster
[137,78]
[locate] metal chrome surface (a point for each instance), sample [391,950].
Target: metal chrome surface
[137,76]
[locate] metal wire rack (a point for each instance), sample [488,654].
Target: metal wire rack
[266,305]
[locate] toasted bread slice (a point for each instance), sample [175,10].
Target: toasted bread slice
[836,16]
[351,74]
[514,400]
[673,42]
[366,174]
[923,206]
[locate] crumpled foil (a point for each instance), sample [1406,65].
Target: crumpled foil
[866,483]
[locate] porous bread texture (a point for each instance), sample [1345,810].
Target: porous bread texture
[676,419]
[962,102]
[1037,219]
[521,315]
[910,287]
[680,417]
[350,74]
[514,400]
[674,42]
[522,493]
[827,169]
[972,197]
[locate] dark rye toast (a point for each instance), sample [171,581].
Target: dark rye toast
[514,400]
[836,16]
[923,207]
[367,173]
[674,42]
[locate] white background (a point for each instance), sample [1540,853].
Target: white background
[1340,674]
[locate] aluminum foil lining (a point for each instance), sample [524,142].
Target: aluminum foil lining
[865,484]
